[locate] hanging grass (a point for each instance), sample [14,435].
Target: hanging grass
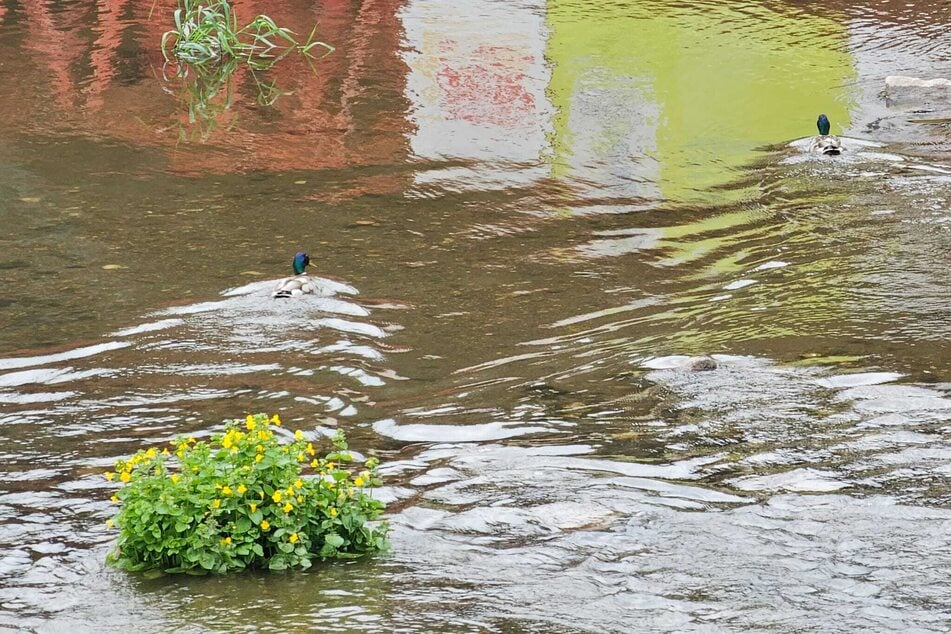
[207,33]
[207,46]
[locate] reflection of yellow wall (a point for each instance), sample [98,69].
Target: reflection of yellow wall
[723,82]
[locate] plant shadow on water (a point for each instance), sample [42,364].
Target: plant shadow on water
[206,93]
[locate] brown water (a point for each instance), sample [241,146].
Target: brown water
[525,215]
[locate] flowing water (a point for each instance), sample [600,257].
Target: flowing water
[526,217]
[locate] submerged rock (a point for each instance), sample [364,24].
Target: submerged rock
[918,94]
[702,364]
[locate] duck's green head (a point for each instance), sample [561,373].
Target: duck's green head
[823,125]
[301,260]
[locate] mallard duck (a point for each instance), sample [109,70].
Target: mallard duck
[825,143]
[300,284]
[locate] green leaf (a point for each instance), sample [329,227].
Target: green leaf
[207,560]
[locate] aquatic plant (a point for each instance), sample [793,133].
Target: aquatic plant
[207,32]
[242,500]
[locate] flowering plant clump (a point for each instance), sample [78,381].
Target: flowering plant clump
[243,500]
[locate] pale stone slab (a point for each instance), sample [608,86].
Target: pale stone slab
[916,93]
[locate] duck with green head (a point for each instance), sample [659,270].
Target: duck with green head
[825,144]
[300,284]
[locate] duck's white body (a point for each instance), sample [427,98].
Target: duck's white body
[826,144]
[294,286]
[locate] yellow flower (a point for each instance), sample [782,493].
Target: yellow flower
[175,477]
[109,475]
[259,448]
[124,476]
[299,483]
[216,503]
[242,489]
[293,538]
[226,491]
[301,457]
[330,465]
[191,440]
[290,490]
[151,453]
[249,423]
[310,448]
[298,435]
[253,507]
[165,452]
[265,525]
[314,463]
[263,435]
[358,481]
[333,512]
[115,499]
[110,523]
[226,442]
[288,507]
[226,541]
[277,497]
[300,499]
[258,458]
[276,420]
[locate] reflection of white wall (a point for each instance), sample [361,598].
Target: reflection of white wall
[477,84]
[613,122]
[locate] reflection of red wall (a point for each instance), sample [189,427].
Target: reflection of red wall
[490,89]
[76,78]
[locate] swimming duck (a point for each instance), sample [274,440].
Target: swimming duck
[300,284]
[825,143]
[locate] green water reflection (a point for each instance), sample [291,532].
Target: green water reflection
[671,100]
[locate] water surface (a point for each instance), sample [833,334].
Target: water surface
[526,217]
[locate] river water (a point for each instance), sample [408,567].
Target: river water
[525,217]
